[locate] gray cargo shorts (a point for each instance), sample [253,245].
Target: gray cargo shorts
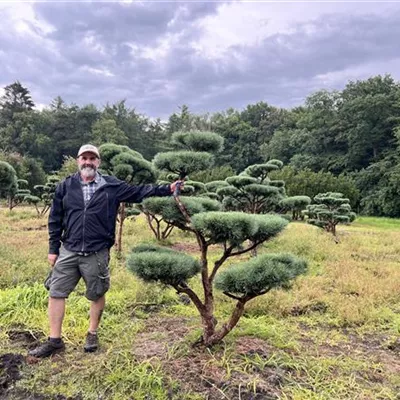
[70,267]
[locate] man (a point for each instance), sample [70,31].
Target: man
[82,218]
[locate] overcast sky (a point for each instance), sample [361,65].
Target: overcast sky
[211,56]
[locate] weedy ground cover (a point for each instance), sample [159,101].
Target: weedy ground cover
[335,335]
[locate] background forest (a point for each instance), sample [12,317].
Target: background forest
[345,141]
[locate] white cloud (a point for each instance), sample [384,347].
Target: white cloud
[98,71]
[92,43]
[249,23]
[335,79]
[21,17]
[244,52]
[161,49]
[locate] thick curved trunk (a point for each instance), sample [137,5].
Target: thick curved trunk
[216,337]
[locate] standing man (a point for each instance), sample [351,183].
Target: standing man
[81,233]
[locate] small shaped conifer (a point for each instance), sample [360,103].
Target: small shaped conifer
[329,210]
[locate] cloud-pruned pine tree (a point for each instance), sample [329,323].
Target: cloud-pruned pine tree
[237,233]
[194,151]
[252,191]
[295,204]
[329,210]
[18,194]
[44,195]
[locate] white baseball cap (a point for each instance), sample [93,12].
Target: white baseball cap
[89,148]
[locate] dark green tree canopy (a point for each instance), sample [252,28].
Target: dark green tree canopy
[16,98]
[8,179]
[345,138]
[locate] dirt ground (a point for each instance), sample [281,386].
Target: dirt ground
[204,372]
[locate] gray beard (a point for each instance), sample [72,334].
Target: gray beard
[88,172]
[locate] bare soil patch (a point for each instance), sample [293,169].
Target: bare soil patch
[24,338]
[9,371]
[203,372]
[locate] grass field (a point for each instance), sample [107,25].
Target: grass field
[335,335]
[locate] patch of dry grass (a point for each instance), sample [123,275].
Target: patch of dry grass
[333,336]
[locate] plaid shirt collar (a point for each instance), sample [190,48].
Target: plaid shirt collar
[88,188]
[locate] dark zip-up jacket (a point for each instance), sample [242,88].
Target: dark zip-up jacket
[91,228]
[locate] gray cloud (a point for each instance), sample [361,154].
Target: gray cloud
[146,53]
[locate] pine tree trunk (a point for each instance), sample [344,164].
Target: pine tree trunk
[122,216]
[209,324]
[207,313]
[226,328]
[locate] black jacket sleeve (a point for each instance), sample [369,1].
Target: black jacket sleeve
[56,221]
[135,194]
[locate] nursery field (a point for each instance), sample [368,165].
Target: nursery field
[334,335]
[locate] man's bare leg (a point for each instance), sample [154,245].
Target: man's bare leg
[96,311]
[55,344]
[56,312]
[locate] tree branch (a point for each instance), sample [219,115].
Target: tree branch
[167,231]
[253,246]
[231,296]
[150,218]
[219,262]
[184,288]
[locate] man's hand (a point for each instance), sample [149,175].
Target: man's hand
[176,185]
[52,259]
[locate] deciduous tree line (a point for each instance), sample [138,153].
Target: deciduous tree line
[339,141]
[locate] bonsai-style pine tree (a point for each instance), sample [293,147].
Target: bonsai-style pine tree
[44,195]
[296,204]
[329,210]
[241,282]
[18,194]
[252,191]
[194,152]
[128,165]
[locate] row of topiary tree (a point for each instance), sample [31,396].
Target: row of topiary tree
[238,215]
[16,192]
[234,217]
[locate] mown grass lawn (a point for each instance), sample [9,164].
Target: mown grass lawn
[335,335]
